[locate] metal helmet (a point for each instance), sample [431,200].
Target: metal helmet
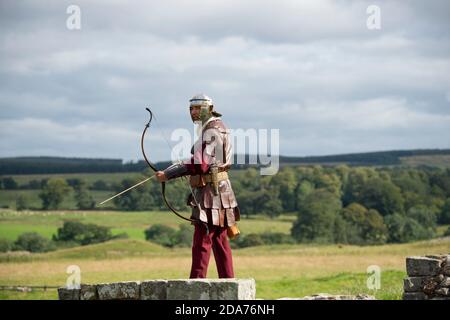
[203,100]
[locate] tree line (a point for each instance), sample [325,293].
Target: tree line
[51,165]
[341,204]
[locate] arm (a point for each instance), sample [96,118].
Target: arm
[200,161]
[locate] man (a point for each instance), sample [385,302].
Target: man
[212,199]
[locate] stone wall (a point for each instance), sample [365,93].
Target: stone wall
[428,278]
[183,289]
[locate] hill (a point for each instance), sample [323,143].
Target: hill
[49,165]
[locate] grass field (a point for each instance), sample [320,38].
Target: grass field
[279,270]
[441,161]
[13,223]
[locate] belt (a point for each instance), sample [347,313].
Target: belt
[200,180]
[220,176]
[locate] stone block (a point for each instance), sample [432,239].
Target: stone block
[68,294]
[153,290]
[445,282]
[233,289]
[446,266]
[193,289]
[211,289]
[119,291]
[88,292]
[442,292]
[422,266]
[413,284]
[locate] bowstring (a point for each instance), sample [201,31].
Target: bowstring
[178,160]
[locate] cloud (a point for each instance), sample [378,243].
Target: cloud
[312,69]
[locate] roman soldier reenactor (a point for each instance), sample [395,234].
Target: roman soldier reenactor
[214,205]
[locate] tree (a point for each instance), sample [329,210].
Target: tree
[404,229]
[53,193]
[34,184]
[381,195]
[316,217]
[5,245]
[268,203]
[411,180]
[22,202]
[33,242]
[250,180]
[304,188]
[329,182]
[83,197]
[286,183]
[84,234]
[447,232]
[440,183]
[362,226]
[161,234]
[356,180]
[9,183]
[444,216]
[425,217]
[101,185]
[139,198]
[247,202]
[74,183]
[183,237]
[249,240]
[276,238]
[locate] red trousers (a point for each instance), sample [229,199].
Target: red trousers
[201,249]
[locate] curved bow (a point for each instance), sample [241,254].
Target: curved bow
[163,184]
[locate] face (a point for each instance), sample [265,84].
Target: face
[199,113]
[195,113]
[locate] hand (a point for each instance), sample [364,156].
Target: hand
[161,176]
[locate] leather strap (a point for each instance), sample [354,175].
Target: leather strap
[220,176]
[201,180]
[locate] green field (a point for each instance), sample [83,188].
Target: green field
[13,223]
[279,270]
[8,197]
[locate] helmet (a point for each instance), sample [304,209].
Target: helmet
[203,100]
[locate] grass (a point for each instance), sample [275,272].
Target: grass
[46,223]
[441,229]
[279,270]
[441,161]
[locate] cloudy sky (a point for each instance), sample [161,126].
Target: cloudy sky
[312,69]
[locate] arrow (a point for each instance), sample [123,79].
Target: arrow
[137,184]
